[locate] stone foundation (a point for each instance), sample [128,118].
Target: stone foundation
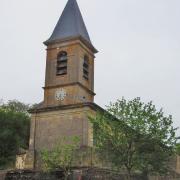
[81,174]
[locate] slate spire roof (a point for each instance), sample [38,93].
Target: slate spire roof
[70,25]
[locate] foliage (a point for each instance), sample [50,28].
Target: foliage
[16,106]
[61,155]
[14,131]
[135,135]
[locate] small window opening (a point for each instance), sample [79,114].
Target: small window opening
[61,64]
[86,68]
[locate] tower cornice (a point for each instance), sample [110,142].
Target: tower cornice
[70,84]
[68,39]
[91,105]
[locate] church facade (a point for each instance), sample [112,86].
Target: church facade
[69,87]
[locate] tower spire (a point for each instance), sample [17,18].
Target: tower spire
[70,25]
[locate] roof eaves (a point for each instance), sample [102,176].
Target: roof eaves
[87,43]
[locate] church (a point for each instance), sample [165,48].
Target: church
[69,87]
[68,91]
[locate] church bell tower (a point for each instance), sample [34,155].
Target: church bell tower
[70,61]
[69,87]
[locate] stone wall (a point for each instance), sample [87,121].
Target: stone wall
[20,161]
[2,175]
[48,127]
[79,174]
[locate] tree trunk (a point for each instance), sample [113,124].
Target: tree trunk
[128,174]
[128,177]
[145,175]
[66,175]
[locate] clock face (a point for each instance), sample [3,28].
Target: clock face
[60,94]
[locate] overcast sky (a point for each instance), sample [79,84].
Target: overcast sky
[138,43]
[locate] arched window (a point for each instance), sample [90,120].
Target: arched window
[86,68]
[61,63]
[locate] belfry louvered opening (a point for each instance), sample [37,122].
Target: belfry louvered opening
[86,68]
[61,63]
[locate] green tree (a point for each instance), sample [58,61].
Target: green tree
[60,157]
[135,136]
[14,131]
[16,106]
